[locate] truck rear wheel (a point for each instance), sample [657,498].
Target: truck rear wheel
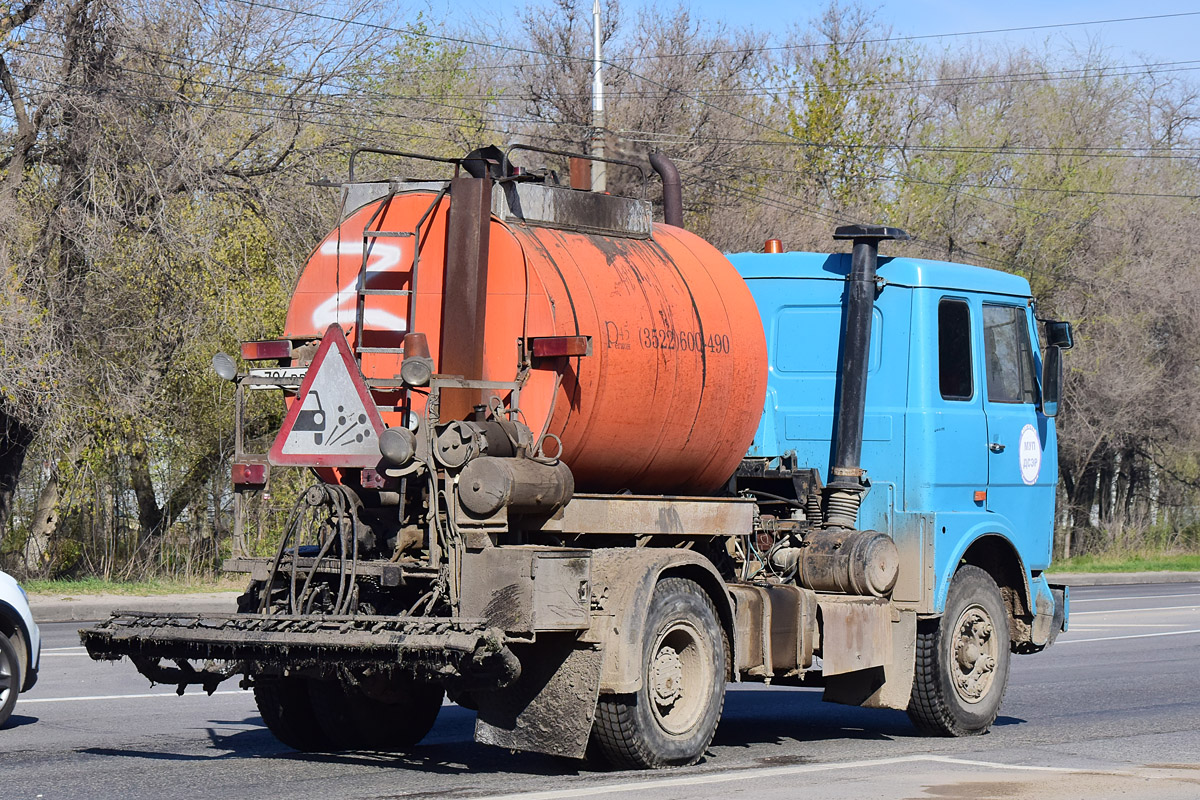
[962,660]
[671,719]
[386,714]
[287,709]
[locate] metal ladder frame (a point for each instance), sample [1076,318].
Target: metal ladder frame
[369,237]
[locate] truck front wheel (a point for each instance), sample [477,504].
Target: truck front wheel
[671,719]
[962,660]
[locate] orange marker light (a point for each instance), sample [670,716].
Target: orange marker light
[773,246]
[980,496]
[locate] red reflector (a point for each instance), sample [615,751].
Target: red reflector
[249,474]
[264,351]
[556,346]
[980,496]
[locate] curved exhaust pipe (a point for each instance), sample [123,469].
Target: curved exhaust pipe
[672,191]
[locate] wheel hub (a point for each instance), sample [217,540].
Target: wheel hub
[668,677]
[677,678]
[975,654]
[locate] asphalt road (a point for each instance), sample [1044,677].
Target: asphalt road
[1112,710]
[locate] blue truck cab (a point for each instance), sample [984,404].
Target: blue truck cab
[959,452]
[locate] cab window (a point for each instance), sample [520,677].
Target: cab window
[1010,376]
[954,350]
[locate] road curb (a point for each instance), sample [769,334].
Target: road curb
[1120,578]
[96,607]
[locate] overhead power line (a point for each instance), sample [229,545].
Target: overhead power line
[1081,151]
[281,114]
[720,109]
[669,91]
[901,177]
[316,100]
[878,40]
[358,93]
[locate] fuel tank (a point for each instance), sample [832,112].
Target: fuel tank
[670,394]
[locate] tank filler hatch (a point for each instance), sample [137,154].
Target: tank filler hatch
[531,203]
[558,207]
[521,196]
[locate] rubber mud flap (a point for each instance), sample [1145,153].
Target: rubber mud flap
[551,707]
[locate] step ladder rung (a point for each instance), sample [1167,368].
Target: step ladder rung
[378,234]
[395,350]
[388,292]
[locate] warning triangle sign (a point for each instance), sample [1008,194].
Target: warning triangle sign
[333,421]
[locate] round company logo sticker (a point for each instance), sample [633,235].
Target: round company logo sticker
[1030,455]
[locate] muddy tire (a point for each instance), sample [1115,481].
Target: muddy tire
[287,710]
[384,715]
[962,660]
[671,719]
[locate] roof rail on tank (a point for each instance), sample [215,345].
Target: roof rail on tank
[506,164]
[516,199]
[457,162]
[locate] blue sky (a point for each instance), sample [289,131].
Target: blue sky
[1159,40]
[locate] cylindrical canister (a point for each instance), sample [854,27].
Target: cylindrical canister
[843,560]
[521,485]
[672,391]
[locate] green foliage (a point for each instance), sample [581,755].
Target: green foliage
[1147,561]
[845,121]
[167,214]
[422,95]
[86,586]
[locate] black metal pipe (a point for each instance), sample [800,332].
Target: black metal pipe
[672,191]
[846,472]
[464,296]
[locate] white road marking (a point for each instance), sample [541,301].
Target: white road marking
[758,773]
[49,654]
[27,701]
[1135,597]
[78,647]
[1132,610]
[1099,626]
[1132,636]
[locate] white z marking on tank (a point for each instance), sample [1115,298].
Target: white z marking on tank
[340,306]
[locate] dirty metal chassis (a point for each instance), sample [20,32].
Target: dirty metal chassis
[463,653]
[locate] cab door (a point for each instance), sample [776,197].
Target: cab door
[959,467]
[1021,473]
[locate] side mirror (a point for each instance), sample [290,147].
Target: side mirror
[1052,379]
[1059,334]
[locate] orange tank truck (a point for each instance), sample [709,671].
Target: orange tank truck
[562,526]
[668,398]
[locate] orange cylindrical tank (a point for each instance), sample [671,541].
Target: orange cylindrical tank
[671,394]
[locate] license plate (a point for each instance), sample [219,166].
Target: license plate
[287,377]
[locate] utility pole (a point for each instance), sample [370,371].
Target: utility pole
[599,173]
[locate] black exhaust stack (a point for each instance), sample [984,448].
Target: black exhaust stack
[464,296]
[846,487]
[672,192]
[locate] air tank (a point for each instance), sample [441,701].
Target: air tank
[670,395]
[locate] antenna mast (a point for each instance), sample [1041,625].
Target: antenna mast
[599,174]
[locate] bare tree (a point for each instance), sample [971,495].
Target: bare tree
[151,178]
